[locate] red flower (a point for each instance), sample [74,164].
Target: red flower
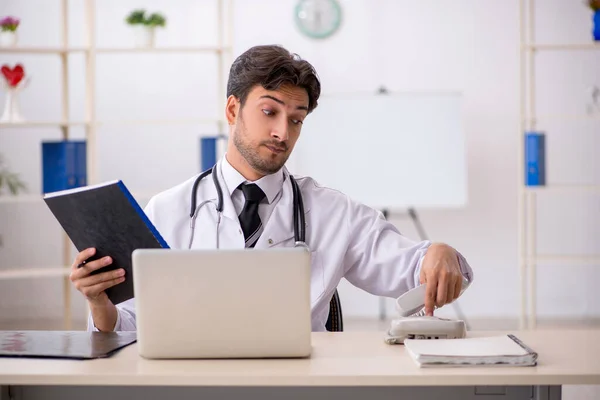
[13,76]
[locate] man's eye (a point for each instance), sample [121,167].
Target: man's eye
[268,112]
[296,122]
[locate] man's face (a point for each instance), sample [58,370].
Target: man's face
[268,125]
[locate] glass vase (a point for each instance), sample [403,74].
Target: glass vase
[12,112]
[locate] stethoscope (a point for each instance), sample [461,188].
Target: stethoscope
[299,220]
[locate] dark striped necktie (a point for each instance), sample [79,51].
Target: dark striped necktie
[249,219]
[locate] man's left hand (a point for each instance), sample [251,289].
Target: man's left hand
[440,270]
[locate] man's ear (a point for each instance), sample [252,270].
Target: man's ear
[232,108]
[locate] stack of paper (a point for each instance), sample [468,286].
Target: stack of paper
[505,350]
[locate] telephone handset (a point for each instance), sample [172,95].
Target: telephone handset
[412,303]
[414,324]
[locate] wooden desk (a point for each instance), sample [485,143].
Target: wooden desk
[352,363]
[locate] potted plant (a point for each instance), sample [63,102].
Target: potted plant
[8,31]
[9,180]
[144,26]
[595,6]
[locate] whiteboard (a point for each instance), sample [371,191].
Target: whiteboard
[389,151]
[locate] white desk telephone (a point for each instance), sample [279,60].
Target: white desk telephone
[414,324]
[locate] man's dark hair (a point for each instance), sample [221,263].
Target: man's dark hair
[272,66]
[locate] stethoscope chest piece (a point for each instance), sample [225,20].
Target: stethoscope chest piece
[302,244]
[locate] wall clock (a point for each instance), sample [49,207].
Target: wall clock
[318,19]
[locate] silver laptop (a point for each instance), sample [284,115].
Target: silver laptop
[222,303]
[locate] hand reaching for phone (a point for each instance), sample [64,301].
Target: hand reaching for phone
[441,272]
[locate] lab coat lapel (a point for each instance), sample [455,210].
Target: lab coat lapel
[230,233]
[228,208]
[208,191]
[280,226]
[206,223]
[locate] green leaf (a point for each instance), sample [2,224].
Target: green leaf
[136,17]
[12,182]
[155,19]
[12,187]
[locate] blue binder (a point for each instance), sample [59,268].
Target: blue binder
[64,165]
[535,159]
[209,150]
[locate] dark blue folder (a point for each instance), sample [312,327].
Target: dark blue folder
[108,218]
[63,165]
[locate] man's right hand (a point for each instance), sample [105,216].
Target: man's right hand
[93,286]
[104,313]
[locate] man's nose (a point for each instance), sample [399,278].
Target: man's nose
[280,130]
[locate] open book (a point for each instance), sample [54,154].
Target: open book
[505,350]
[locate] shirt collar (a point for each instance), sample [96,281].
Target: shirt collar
[270,184]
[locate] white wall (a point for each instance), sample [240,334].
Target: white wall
[466,45]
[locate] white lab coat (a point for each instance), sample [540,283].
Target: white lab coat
[347,240]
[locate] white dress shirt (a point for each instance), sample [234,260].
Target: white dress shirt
[270,184]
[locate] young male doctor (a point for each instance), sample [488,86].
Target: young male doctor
[270,94]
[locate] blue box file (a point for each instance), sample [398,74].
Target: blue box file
[210,147]
[64,165]
[535,159]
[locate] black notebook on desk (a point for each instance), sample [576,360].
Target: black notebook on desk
[78,345]
[106,217]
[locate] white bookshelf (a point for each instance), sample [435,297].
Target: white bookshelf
[563,117]
[529,258]
[223,52]
[65,124]
[560,47]
[571,259]
[562,188]
[38,199]
[132,50]
[22,198]
[181,49]
[33,272]
[43,124]
[42,50]
[193,121]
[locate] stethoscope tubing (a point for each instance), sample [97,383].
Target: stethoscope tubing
[298,205]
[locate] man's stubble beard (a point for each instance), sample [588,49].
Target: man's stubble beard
[250,154]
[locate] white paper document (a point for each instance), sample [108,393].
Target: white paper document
[505,350]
